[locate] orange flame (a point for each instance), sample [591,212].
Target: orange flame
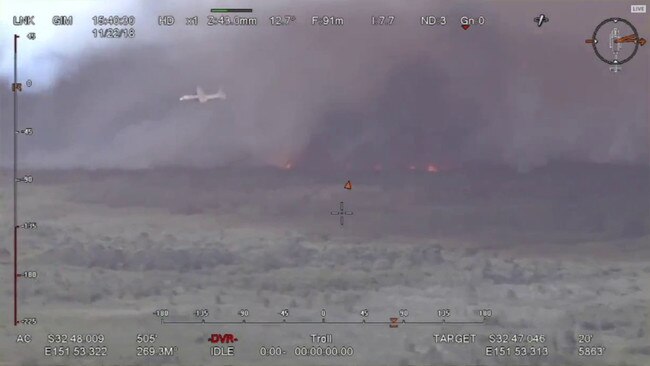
[432,168]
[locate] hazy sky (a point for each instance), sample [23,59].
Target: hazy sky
[355,95]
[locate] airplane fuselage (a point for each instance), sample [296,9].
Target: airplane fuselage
[202,97]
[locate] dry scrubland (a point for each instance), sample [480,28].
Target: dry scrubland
[560,250]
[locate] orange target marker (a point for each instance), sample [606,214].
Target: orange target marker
[348,185]
[630,39]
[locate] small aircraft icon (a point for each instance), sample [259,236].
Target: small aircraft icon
[541,19]
[202,97]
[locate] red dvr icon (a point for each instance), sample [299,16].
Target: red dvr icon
[222,338]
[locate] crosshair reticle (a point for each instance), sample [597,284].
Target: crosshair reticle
[342,213]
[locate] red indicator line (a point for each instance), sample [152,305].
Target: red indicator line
[16,275]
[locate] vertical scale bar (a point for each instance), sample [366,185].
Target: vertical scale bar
[15,87]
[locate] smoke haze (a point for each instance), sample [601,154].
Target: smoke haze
[326,96]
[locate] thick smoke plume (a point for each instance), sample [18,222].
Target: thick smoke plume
[356,95]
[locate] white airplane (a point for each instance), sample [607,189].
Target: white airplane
[202,97]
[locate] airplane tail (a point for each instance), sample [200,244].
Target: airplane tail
[221,94]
